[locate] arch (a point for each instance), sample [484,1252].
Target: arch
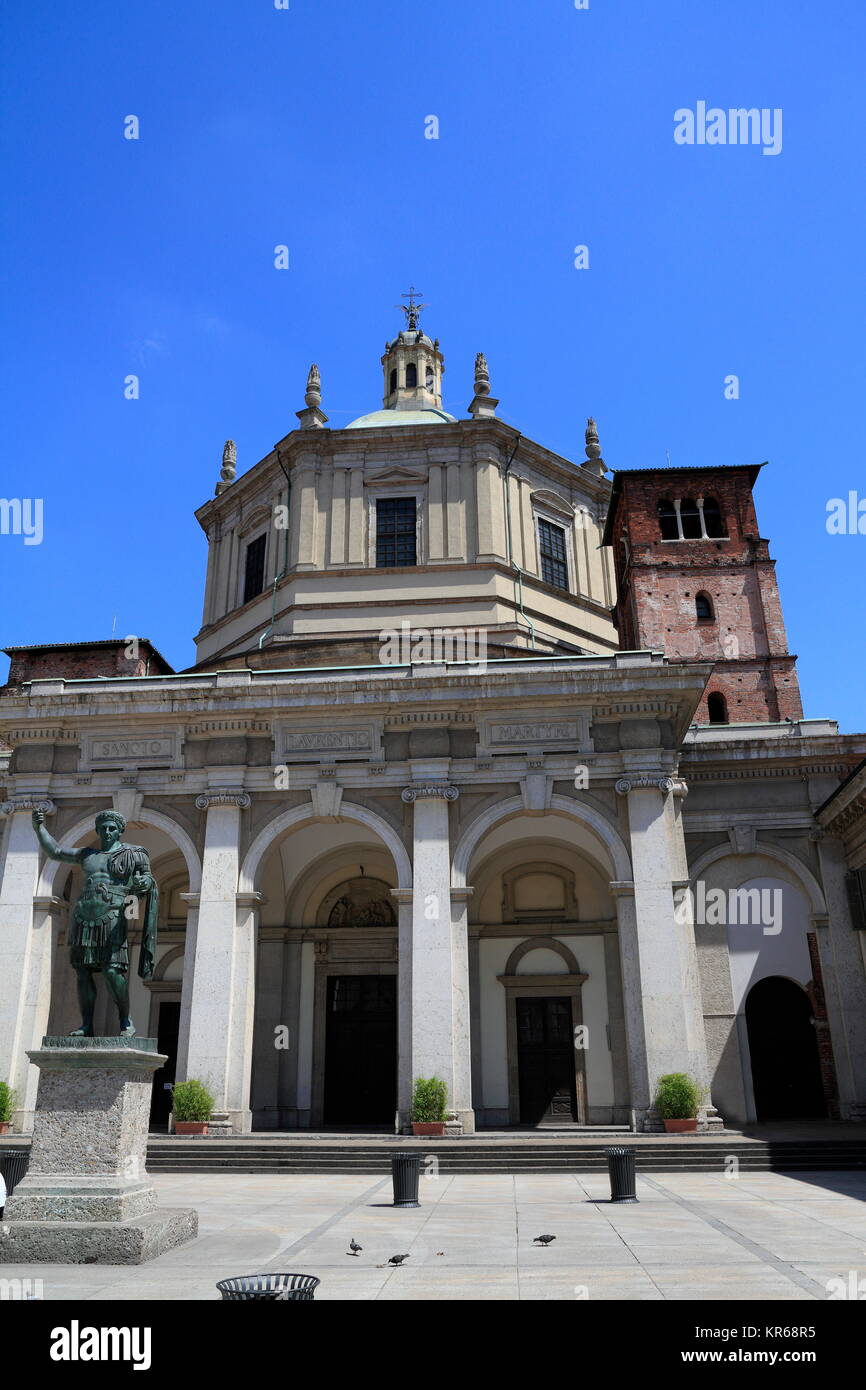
[704,610]
[806,879]
[349,810]
[411,375]
[783,1051]
[485,821]
[713,523]
[165,961]
[668,525]
[717,707]
[537,943]
[145,816]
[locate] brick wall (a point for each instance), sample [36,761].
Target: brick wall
[658,583]
[81,661]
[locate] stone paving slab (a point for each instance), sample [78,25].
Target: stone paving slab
[762,1237]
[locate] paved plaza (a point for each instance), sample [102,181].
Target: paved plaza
[759,1236]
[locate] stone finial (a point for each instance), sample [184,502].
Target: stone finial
[483,405]
[482,375]
[229,470]
[593,458]
[313,395]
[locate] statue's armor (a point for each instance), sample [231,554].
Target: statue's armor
[98,929]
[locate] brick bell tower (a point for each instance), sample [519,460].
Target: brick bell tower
[696,581]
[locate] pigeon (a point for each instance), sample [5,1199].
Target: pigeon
[543,1240]
[354,1247]
[397,1259]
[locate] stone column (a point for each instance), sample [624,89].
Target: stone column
[219,967]
[844,979]
[25,956]
[440,967]
[659,982]
[403,898]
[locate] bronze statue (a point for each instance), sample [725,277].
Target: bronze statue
[115,876]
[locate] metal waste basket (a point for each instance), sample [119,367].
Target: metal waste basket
[620,1167]
[405,1172]
[286,1288]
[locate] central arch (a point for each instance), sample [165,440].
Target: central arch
[349,811]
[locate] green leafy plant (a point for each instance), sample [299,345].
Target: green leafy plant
[678,1097]
[429,1098]
[192,1101]
[7,1102]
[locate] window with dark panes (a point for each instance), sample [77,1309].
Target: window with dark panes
[395,532]
[254,569]
[551,548]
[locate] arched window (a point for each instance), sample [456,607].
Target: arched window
[429,379]
[704,608]
[713,518]
[691,519]
[393,381]
[717,708]
[670,531]
[411,374]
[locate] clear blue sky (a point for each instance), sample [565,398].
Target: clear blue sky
[306,127]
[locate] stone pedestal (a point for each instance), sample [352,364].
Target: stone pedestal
[87,1196]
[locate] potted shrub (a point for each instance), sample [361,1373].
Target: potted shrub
[193,1106]
[428,1106]
[678,1099]
[7,1105]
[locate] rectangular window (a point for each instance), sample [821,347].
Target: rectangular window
[254,570]
[551,549]
[395,532]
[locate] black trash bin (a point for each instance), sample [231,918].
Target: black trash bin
[620,1167]
[405,1172]
[286,1288]
[13,1166]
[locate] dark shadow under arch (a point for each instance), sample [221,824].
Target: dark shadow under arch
[786,1067]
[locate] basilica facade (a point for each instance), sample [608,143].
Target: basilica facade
[491,766]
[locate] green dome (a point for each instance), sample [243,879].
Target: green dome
[379,419]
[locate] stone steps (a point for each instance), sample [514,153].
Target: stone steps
[453,1157]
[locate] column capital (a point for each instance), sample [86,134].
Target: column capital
[430,789]
[222,798]
[621,888]
[28,803]
[253,899]
[461,895]
[639,781]
[54,907]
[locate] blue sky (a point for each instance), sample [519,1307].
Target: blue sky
[306,127]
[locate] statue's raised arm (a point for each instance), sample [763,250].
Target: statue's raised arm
[50,845]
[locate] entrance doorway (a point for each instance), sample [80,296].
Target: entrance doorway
[545,1061]
[168,1027]
[361,1050]
[786,1068]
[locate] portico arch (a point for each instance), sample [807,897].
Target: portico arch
[607,836]
[298,815]
[146,816]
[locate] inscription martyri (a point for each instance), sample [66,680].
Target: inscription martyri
[555,732]
[531,733]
